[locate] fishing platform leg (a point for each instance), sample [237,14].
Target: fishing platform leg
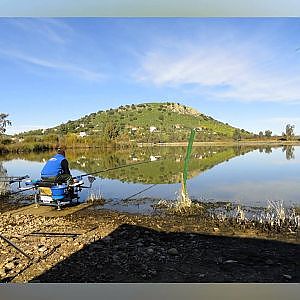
[36,204]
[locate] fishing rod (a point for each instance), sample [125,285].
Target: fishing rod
[84,175]
[115,168]
[15,246]
[53,234]
[144,190]
[91,179]
[13,179]
[23,190]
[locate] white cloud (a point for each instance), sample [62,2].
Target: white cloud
[197,67]
[57,36]
[53,30]
[72,68]
[243,72]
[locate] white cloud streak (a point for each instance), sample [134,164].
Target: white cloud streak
[57,36]
[53,30]
[71,68]
[242,72]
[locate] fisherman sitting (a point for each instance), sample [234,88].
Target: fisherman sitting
[56,169]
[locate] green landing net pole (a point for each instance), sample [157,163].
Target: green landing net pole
[187,158]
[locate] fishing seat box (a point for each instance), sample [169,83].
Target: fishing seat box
[58,192]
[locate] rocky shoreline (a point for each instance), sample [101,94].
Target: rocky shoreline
[105,246]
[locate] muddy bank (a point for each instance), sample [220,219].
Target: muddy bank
[138,254]
[104,246]
[8,202]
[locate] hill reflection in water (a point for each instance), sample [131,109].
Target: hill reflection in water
[246,175]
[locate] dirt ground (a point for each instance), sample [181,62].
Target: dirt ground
[91,245]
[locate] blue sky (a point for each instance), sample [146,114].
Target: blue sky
[244,71]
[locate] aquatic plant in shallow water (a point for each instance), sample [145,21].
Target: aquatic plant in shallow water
[277,212]
[294,218]
[183,200]
[240,215]
[276,215]
[182,204]
[95,196]
[162,204]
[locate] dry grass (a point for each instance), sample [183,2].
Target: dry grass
[95,196]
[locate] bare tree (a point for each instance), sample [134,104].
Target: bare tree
[289,132]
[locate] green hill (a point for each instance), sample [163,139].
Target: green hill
[148,122]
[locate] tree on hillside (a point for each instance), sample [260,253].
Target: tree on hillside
[236,135]
[260,134]
[110,131]
[3,122]
[289,132]
[63,128]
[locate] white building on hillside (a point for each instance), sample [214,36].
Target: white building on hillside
[152,128]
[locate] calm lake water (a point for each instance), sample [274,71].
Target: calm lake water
[244,175]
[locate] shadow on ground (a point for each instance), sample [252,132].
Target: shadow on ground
[139,254]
